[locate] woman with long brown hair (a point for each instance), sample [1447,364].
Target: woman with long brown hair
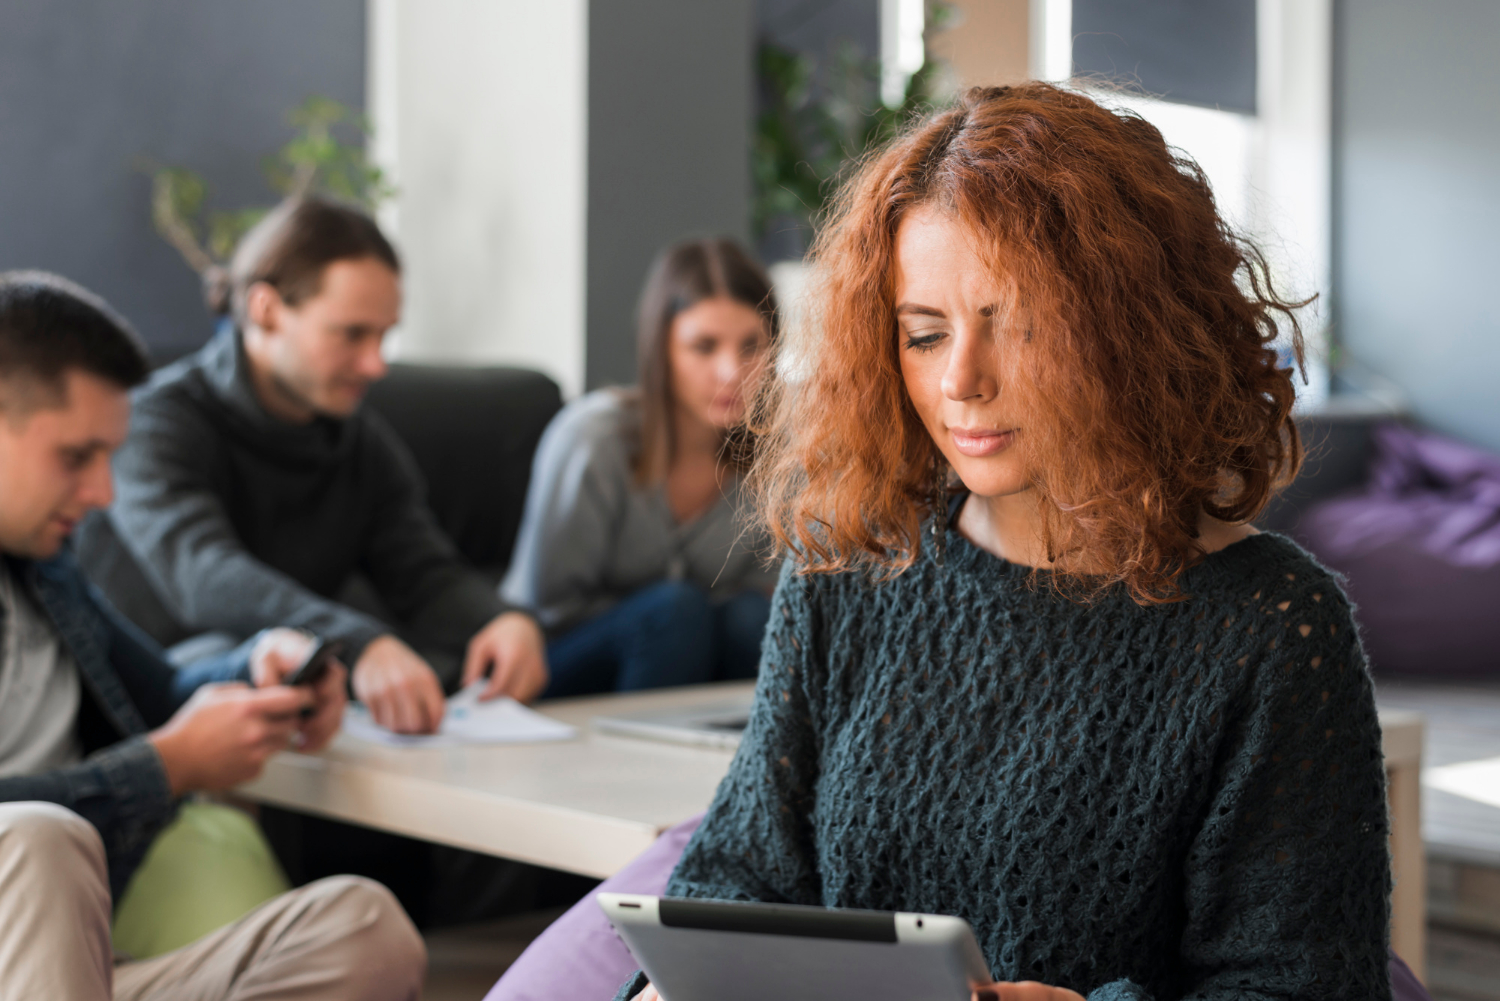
[632,549]
[1028,662]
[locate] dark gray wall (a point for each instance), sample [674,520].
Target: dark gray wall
[90,89]
[670,90]
[818,28]
[1192,51]
[1417,203]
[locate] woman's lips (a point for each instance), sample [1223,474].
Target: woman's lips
[977,443]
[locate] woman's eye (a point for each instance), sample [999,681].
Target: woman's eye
[922,342]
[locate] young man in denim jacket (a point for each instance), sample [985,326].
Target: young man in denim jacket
[100,737]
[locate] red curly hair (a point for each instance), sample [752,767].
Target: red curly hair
[1152,387]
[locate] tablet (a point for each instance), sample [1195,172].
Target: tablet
[703,950]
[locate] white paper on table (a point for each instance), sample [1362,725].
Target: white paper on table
[467,721]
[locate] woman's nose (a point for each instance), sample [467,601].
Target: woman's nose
[730,366]
[970,372]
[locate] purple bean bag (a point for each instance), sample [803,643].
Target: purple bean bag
[1420,548]
[579,957]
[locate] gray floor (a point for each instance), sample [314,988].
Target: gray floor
[463,963]
[1463,840]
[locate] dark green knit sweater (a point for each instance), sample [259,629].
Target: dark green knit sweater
[1180,801]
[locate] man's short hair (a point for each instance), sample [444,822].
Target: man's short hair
[48,326]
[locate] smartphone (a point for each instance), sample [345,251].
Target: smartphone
[315,664]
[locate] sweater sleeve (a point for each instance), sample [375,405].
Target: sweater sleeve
[167,513]
[122,790]
[755,842]
[579,481]
[413,564]
[1288,876]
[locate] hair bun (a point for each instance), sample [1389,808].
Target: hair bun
[217,289]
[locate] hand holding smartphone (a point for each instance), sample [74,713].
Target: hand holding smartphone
[314,666]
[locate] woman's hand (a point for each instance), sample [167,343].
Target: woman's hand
[649,994]
[513,652]
[1025,990]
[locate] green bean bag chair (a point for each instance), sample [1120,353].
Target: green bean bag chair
[209,867]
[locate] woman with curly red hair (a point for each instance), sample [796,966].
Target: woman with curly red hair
[1028,663]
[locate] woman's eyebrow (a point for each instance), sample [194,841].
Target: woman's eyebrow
[911,307]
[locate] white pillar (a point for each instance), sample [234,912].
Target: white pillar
[480,111]
[1292,174]
[1052,40]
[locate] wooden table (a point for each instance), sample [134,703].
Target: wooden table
[592,804]
[1402,734]
[588,805]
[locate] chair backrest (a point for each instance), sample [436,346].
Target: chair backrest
[473,432]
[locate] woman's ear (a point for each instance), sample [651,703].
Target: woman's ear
[263,307]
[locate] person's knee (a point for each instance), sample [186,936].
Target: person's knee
[383,947]
[49,836]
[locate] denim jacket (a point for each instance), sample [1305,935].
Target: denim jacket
[128,688]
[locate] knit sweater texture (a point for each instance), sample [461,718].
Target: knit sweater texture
[1178,801]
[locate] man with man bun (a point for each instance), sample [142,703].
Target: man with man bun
[254,486]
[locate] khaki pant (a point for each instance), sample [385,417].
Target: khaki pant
[344,937]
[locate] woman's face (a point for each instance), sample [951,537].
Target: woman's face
[957,339]
[713,349]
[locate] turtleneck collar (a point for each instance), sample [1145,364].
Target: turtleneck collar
[226,370]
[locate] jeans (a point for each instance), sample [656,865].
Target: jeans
[666,634]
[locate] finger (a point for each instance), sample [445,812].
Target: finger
[319,729]
[476,659]
[501,669]
[277,664]
[1024,990]
[213,688]
[278,726]
[406,714]
[315,734]
[277,654]
[383,708]
[274,737]
[505,676]
[539,677]
[530,676]
[423,697]
[333,685]
[279,700]
[433,703]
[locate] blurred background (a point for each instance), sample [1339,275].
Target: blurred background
[531,158]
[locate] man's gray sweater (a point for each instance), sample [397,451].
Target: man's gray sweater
[239,521]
